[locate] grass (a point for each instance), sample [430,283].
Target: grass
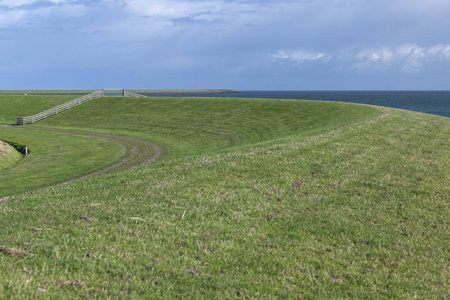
[44,91]
[192,126]
[8,155]
[201,126]
[16,106]
[55,158]
[281,199]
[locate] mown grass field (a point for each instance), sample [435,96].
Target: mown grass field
[44,91]
[254,199]
[193,126]
[55,158]
[15,106]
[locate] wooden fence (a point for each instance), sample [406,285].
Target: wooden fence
[60,108]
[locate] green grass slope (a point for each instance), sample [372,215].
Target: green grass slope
[14,106]
[349,202]
[183,126]
[192,126]
[54,158]
[8,155]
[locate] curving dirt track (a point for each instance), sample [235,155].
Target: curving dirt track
[137,152]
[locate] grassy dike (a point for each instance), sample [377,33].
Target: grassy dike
[194,126]
[255,199]
[182,126]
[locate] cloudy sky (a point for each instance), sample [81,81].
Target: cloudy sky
[241,44]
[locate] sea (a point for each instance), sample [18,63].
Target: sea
[430,102]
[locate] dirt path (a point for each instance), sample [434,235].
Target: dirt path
[137,152]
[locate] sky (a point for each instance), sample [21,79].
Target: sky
[229,44]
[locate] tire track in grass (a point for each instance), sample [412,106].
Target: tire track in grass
[137,152]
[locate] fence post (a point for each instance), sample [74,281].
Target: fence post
[123,93]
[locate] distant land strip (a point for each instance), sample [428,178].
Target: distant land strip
[109,91]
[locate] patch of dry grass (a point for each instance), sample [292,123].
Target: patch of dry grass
[13,251]
[8,155]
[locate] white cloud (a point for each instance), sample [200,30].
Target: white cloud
[57,1]
[406,58]
[235,12]
[37,17]
[204,21]
[172,9]
[16,3]
[11,17]
[20,3]
[379,59]
[409,58]
[300,56]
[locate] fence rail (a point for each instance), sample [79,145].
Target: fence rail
[65,106]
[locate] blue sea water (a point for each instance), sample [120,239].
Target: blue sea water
[431,102]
